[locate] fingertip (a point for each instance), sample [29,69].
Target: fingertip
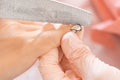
[64,29]
[48,26]
[70,42]
[70,35]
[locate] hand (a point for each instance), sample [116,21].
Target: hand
[79,64]
[22,42]
[55,66]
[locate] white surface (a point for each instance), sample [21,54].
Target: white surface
[31,74]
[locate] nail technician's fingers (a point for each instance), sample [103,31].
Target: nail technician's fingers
[74,49]
[84,62]
[71,75]
[49,66]
[70,43]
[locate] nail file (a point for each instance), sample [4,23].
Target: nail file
[44,11]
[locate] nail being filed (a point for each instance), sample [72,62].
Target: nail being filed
[76,28]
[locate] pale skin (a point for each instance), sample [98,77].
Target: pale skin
[75,61]
[23,42]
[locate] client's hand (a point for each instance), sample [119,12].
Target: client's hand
[76,63]
[22,42]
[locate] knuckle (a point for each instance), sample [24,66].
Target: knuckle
[81,52]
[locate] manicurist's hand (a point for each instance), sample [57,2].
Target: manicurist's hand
[75,61]
[22,42]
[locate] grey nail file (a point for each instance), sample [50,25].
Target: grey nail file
[44,11]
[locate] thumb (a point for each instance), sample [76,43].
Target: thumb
[75,50]
[71,45]
[84,63]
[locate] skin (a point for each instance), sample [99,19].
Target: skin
[75,61]
[71,61]
[22,42]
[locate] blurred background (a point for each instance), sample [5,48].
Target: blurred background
[102,36]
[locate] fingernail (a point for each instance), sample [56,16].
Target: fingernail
[70,43]
[63,30]
[48,27]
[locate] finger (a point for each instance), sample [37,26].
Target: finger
[65,63]
[64,29]
[25,24]
[31,25]
[74,50]
[48,26]
[48,40]
[84,63]
[71,75]
[49,66]
[12,28]
[60,54]
[28,22]
[70,43]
